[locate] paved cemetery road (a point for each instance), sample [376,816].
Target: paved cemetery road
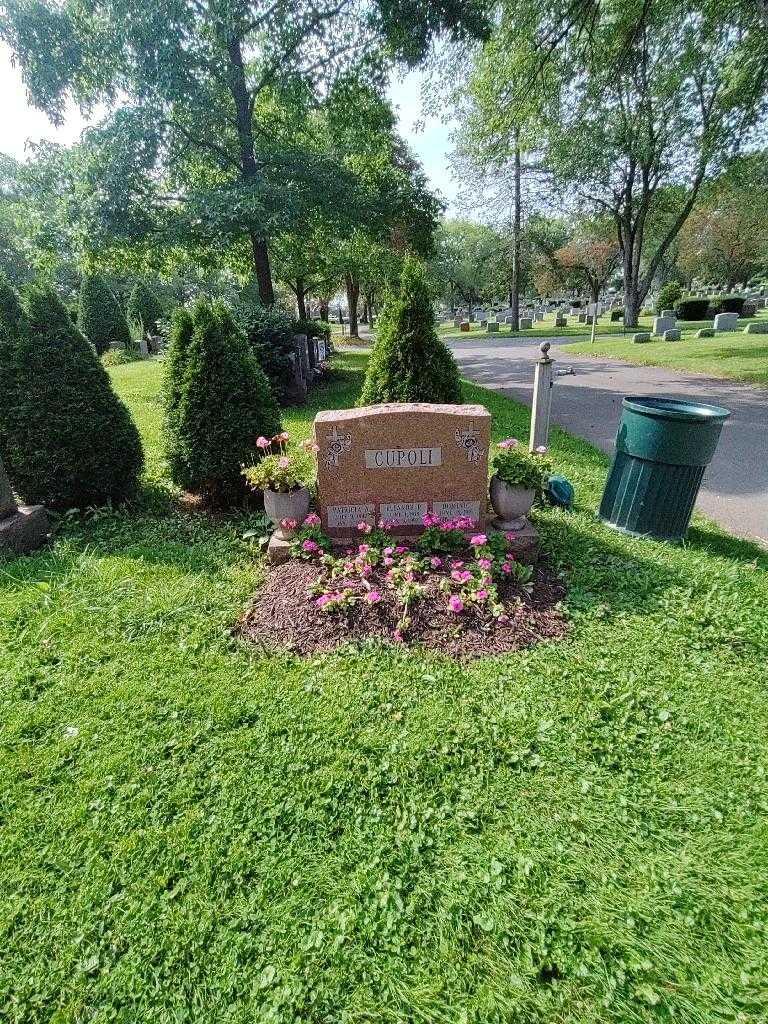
[735,488]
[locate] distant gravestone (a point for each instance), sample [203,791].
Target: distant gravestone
[663,323]
[301,350]
[526,323]
[22,528]
[398,462]
[672,334]
[464,325]
[492,327]
[705,332]
[726,322]
[538,316]
[757,327]
[581,317]
[561,321]
[457,322]
[641,337]
[669,312]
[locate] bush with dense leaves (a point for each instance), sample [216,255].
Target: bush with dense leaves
[692,309]
[668,296]
[144,308]
[729,304]
[409,362]
[217,402]
[100,317]
[67,440]
[269,333]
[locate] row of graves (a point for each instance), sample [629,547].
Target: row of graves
[666,326]
[307,359]
[405,541]
[562,310]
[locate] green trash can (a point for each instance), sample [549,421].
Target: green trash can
[663,447]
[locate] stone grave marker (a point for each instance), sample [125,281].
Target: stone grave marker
[663,323]
[398,462]
[526,323]
[726,322]
[22,528]
[492,327]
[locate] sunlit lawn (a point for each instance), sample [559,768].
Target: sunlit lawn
[193,831]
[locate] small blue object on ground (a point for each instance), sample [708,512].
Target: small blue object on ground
[559,491]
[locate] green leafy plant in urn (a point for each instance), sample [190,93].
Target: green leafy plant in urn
[518,477]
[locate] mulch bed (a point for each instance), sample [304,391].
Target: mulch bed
[283,610]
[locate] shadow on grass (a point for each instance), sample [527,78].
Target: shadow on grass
[722,545]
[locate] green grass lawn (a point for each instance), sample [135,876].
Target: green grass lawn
[195,832]
[737,355]
[740,356]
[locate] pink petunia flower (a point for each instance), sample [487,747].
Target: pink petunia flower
[312,520]
[323,600]
[363,527]
[484,563]
[455,604]
[510,442]
[363,549]
[397,636]
[482,595]
[283,462]
[436,563]
[506,567]
[262,442]
[373,597]
[400,549]
[387,560]
[542,449]
[479,540]
[288,524]
[309,545]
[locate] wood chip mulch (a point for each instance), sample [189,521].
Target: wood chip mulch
[282,610]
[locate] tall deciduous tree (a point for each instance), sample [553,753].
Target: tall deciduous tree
[198,79]
[726,237]
[639,98]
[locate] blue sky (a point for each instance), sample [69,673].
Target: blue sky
[427,137]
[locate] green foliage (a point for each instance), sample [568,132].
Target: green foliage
[100,317]
[68,441]
[269,332]
[409,362]
[729,304]
[515,465]
[120,356]
[692,309]
[217,402]
[313,329]
[144,308]
[163,787]
[669,294]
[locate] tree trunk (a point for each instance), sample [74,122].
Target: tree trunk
[324,310]
[631,294]
[514,290]
[353,294]
[249,170]
[364,316]
[301,304]
[369,299]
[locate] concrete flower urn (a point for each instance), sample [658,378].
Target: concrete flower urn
[511,503]
[281,505]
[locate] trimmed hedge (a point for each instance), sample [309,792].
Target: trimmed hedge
[145,308]
[692,309]
[409,362]
[100,317]
[217,402]
[269,333]
[730,304]
[67,439]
